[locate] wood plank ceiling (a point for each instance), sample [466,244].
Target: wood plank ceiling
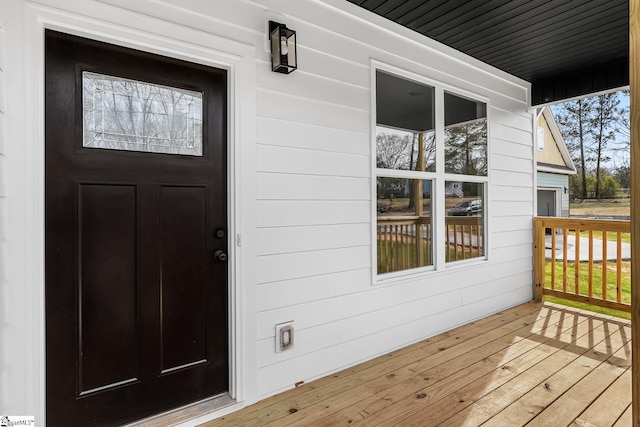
[565,48]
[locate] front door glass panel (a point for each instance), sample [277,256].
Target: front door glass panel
[129,115]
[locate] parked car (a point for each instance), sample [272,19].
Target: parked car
[467,208]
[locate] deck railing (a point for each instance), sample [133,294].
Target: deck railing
[406,241]
[584,260]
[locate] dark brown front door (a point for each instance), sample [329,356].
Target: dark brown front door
[135,209]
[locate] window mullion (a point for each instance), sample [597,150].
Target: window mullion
[439,202]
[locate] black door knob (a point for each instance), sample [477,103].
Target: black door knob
[220,255]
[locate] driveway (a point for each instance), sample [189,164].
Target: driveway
[612,249]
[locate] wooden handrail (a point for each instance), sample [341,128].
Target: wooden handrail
[574,263]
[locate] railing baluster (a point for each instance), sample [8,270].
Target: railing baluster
[590,263]
[619,267]
[553,258]
[604,265]
[576,265]
[565,248]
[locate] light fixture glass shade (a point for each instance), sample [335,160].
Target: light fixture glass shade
[283,48]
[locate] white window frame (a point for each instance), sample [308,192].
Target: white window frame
[438,179]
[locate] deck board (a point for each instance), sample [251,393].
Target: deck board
[534,364]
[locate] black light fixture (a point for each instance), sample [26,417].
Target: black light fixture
[283,48]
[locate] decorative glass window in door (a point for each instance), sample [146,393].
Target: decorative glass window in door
[130,115]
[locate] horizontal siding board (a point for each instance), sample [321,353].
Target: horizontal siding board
[283,106]
[304,84]
[505,163]
[512,223]
[495,287]
[507,253]
[329,66]
[313,137]
[511,149]
[511,238]
[282,240]
[508,193]
[310,162]
[500,208]
[274,295]
[518,136]
[276,186]
[292,213]
[519,121]
[516,179]
[348,282]
[273,268]
[243,23]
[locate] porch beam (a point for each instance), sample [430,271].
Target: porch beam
[634,74]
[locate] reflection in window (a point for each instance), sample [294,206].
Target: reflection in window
[123,114]
[464,235]
[465,142]
[403,150]
[404,232]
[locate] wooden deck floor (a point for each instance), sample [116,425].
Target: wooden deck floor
[534,365]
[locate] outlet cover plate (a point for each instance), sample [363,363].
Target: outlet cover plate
[284,336]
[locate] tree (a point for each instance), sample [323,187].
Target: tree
[622,174]
[393,150]
[466,148]
[574,119]
[603,125]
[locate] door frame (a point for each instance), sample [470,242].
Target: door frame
[557,194]
[186,44]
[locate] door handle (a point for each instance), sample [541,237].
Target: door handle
[220,255]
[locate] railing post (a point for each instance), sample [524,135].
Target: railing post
[538,259]
[634,80]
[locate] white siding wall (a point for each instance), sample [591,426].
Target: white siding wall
[314,235]
[313,208]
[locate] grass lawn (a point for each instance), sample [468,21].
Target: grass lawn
[583,284]
[601,207]
[612,237]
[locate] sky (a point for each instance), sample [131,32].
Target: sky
[618,157]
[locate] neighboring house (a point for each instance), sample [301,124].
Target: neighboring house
[180,224]
[553,165]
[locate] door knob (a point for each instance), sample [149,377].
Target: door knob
[220,255]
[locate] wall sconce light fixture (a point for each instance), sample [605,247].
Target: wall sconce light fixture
[283,48]
[565,190]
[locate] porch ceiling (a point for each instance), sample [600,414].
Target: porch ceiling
[565,48]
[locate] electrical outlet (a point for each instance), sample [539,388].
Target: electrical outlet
[284,336]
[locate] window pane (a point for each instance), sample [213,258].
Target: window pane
[122,114]
[405,135]
[465,136]
[404,234]
[402,150]
[464,237]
